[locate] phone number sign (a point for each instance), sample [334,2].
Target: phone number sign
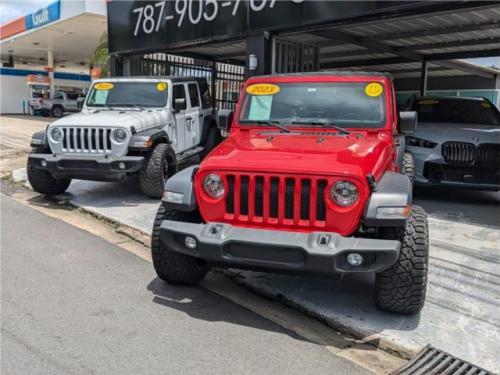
[135,26]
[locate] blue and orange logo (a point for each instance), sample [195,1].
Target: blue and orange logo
[31,21]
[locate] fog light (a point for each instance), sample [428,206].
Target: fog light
[43,163]
[190,242]
[355,259]
[122,165]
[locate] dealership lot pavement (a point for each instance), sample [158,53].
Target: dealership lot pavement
[461,313]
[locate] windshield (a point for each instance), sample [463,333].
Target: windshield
[457,111]
[128,94]
[346,104]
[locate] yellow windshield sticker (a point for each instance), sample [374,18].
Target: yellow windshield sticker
[486,105]
[428,101]
[162,86]
[374,89]
[263,89]
[103,86]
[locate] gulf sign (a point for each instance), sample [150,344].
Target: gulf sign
[33,20]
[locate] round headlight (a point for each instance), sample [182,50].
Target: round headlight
[213,186]
[344,193]
[56,134]
[119,135]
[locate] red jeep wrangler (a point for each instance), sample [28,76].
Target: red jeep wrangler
[312,179]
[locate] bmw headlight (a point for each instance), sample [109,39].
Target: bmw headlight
[56,134]
[418,142]
[344,193]
[119,135]
[213,186]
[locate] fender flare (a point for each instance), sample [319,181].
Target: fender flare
[181,184]
[207,122]
[392,190]
[39,139]
[139,141]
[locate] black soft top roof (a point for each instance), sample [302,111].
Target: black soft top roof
[328,73]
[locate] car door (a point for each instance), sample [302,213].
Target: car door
[71,104]
[179,106]
[194,115]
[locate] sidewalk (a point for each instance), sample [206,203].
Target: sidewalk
[460,315]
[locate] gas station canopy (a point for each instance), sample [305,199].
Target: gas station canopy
[70,30]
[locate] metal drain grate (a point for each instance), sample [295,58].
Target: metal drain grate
[432,361]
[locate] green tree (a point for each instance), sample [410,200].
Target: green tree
[100,56]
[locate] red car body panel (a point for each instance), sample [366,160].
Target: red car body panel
[263,152]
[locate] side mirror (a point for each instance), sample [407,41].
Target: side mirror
[407,122]
[225,119]
[179,104]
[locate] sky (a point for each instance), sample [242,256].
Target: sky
[11,9]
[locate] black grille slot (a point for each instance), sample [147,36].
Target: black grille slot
[230,195]
[93,139]
[65,138]
[86,138]
[259,196]
[71,139]
[458,152]
[273,197]
[101,139]
[108,139]
[305,193]
[289,189]
[79,139]
[244,195]
[320,201]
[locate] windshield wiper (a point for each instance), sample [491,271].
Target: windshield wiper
[268,122]
[326,124]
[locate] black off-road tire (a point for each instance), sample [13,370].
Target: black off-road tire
[159,165]
[57,111]
[408,168]
[42,181]
[402,287]
[170,266]
[213,139]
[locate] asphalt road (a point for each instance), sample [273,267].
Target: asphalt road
[73,303]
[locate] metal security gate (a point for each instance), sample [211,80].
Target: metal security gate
[292,57]
[225,80]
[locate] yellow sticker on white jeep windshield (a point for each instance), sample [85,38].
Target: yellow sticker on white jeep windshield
[486,105]
[103,86]
[428,101]
[263,89]
[374,89]
[162,86]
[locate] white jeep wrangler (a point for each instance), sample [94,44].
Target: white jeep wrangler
[127,126]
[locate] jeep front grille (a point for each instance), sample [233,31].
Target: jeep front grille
[287,200]
[86,140]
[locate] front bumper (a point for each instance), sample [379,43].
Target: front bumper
[278,251]
[100,168]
